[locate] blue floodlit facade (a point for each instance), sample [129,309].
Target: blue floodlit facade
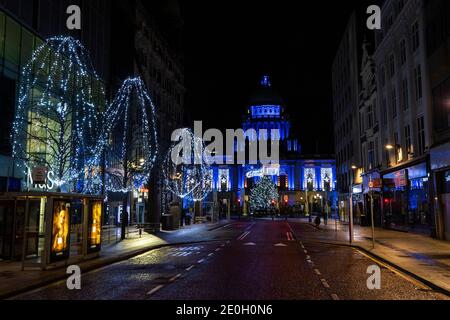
[298,177]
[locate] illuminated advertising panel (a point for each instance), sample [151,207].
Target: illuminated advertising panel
[60,244]
[95,225]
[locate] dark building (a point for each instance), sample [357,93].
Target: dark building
[150,47]
[346,86]
[437,18]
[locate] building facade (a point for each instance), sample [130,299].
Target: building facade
[437,20]
[346,72]
[24,26]
[369,138]
[403,95]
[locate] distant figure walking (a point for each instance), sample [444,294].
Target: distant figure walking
[317,221]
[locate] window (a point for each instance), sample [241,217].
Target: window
[224,180]
[415,36]
[401,4]
[391,65]
[382,77]
[384,110]
[399,149]
[402,52]
[421,135]
[394,103]
[405,97]
[441,111]
[418,81]
[371,155]
[408,146]
[370,117]
[12,45]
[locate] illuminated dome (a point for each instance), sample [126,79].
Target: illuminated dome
[265,102]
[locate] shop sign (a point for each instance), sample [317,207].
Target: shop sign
[400,178]
[375,184]
[41,178]
[357,189]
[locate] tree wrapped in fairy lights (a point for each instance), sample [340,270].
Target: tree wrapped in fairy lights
[56,122]
[186,170]
[131,140]
[263,194]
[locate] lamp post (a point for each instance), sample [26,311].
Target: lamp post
[350,228]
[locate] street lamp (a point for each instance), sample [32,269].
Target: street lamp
[394,147]
[350,228]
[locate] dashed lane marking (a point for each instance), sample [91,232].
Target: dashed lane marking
[190,268]
[175,277]
[325,283]
[200,261]
[155,289]
[334,296]
[308,258]
[209,255]
[317,272]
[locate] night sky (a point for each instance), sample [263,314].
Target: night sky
[229,45]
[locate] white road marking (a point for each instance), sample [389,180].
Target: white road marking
[209,255]
[325,283]
[175,277]
[190,268]
[317,272]
[155,289]
[334,296]
[280,245]
[305,251]
[200,261]
[308,258]
[242,236]
[218,249]
[250,244]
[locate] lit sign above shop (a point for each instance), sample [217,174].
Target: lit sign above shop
[49,182]
[273,170]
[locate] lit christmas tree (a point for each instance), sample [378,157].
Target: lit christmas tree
[130,138]
[184,177]
[56,121]
[263,194]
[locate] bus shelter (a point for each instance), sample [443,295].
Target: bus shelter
[45,229]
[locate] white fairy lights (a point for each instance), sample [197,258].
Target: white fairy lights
[133,151]
[187,179]
[57,115]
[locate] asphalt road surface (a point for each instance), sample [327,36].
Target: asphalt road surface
[246,260]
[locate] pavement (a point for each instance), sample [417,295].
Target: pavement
[245,260]
[14,281]
[417,255]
